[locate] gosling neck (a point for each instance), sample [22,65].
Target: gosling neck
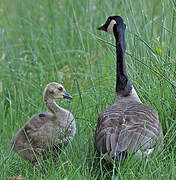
[123,85]
[51,104]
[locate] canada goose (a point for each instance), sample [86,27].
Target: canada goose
[45,131]
[127,126]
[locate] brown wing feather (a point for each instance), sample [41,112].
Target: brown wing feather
[127,127]
[27,142]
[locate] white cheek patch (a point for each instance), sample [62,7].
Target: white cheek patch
[110,27]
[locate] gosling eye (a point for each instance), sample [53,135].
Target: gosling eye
[52,92]
[60,88]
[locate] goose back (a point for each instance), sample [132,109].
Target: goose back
[127,126]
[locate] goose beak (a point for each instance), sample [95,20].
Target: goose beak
[103,28]
[67,96]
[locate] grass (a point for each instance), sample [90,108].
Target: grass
[51,40]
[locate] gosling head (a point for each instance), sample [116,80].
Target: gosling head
[111,23]
[54,90]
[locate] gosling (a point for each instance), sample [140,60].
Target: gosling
[45,131]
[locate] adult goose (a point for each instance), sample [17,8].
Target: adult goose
[46,131]
[127,126]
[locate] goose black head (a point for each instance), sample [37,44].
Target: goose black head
[111,22]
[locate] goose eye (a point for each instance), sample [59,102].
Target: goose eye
[60,88]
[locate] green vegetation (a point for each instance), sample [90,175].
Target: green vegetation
[55,40]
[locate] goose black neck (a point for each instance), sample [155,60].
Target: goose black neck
[123,85]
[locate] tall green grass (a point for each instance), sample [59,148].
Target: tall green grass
[51,40]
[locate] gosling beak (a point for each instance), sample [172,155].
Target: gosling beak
[103,28]
[67,96]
